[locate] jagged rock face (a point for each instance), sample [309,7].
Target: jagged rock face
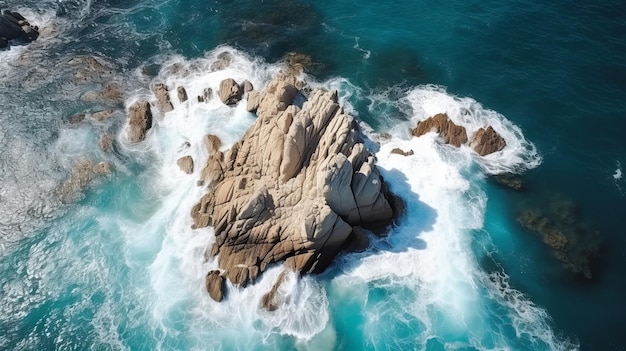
[292,189]
[487,141]
[230,92]
[164,104]
[139,121]
[440,123]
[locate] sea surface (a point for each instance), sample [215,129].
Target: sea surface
[113,263]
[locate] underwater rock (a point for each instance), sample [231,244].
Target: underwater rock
[292,189]
[83,174]
[510,180]
[222,62]
[139,121]
[577,247]
[487,141]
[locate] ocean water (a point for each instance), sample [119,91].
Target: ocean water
[117,266]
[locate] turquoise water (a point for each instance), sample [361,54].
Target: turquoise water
[118,267]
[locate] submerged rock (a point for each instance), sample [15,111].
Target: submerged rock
[577,247]
[292,188]
[83,174]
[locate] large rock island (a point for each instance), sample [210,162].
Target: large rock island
[297,188]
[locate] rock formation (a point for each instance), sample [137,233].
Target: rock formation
[139,121]
[164,104]
[186,164]
[292,189]
[215,283]
[182,94]
[13,26]
[440,123]
[399,151]
[230,92]
[485,141]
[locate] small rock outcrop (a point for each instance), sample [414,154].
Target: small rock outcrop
[487,141]
[230,92]
[139,121]
[292,189]
[399,151]
[484,142]
[13,26]
[186,164]
[215,284]
[440,123]
[164,104]
[182,94]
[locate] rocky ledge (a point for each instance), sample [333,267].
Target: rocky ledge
[297,188]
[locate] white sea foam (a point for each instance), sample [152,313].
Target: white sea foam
[618,172]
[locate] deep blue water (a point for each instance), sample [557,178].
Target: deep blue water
[99,272]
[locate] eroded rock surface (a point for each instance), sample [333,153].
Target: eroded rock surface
[487,141]
[230,92]
[292,189]
[164,104]
[139,121]
[440,123]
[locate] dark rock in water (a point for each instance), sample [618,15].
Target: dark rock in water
[139,121]
[399,151]
[297,63]
[577,247]
[182,94]
[13,26]
[487,141]
[162,94]
[510,180]
[440,123]
[206,96]
[230,92]
[215,285]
